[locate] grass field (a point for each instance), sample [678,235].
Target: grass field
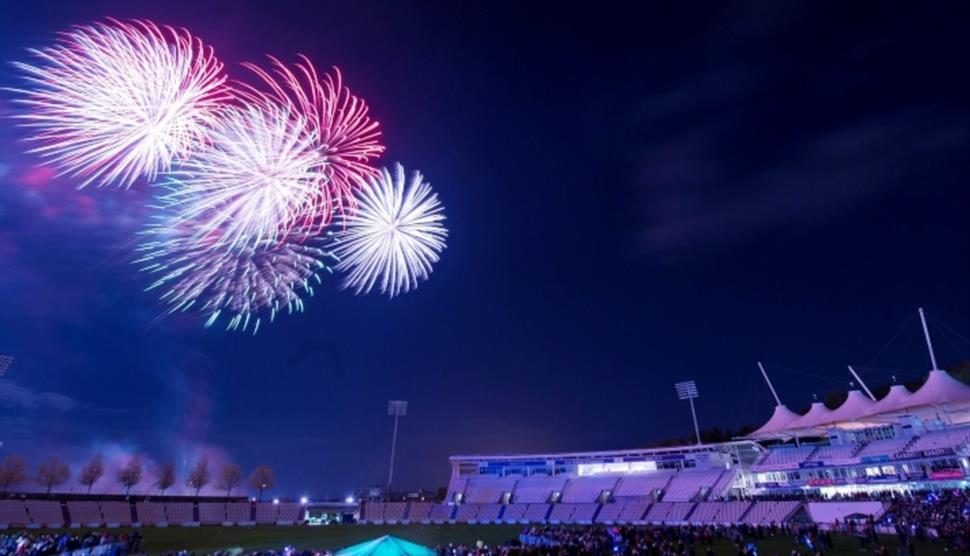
[209,539]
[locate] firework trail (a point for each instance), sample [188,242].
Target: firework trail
[241,283]
[393,237]
[115,100]
[346,136]
[257,179]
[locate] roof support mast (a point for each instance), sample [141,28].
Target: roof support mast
[863,384]
[768,380]
[929,344]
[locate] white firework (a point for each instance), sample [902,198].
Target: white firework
[114,101]
[257,178]
[394,237]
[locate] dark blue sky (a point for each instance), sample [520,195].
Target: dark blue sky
[635,197]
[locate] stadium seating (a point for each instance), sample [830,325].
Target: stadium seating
[767,512]
[116,514]
[536,513]
[394,512]
[642,486]
[373,512]
[836,453]
[419,512]
[634,512]
[884,447]
[684,486]
[587,489]
[536,490]
[584,513]
[489,513]
[724,482]
[456,485]
[440,513]
[719,512]
[609,513]
[467,513]
[212,513]
[267,513]
[151,513]
[935,440]
[785,457]
[561,513]
[45,513]
[669,512]
[488,490]
[13,513]
[289,513]
[179,513]
[514,513]
[86,514]
[239,513]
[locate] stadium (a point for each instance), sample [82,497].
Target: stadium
[478,278]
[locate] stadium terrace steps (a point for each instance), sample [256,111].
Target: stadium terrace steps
[514,513]
[239,513]
[784,458]
[719,512]
[13,513]
[587,489]
[394,512]
[537,490]
[45,513]
[419,512]
[289,513]
[116,514]
[84,513]
[837,453]
[489,513]
[937,440]
[686,485]
[441,513]
[724,482]
[537,513]
[180,513]
[669,512]
[267,513]
[151,513]
[768,512]
[885,447]
[488,490]
[642,487]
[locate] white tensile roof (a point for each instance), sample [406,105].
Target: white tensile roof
[779,421]
[897,398]
[940,388]
[856,405]
[817,415]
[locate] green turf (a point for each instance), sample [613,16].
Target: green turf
[209,539]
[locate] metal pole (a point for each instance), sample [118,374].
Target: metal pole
[770,387]
[863,384]
[697,430]
[390,473]
[929,344]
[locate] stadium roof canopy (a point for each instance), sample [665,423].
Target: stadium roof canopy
[941,394]
[386,546]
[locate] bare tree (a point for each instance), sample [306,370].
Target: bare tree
[52,473]
[262,479]
[13,472]
[92,471]
[166,477]
[230,478]
[199,477]
[130,474]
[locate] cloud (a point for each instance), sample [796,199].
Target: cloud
[15,395]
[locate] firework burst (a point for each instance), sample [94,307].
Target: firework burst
[258,178]
[394,236]
[114,101]
[243,284]
[345,134]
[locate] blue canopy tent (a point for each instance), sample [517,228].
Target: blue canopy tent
[386,546]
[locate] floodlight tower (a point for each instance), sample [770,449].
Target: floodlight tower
[687,390]
[396,409]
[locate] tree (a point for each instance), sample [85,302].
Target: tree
[199,477]
[92,471]
[230,478]
[262,479]
[13,472]
[166,477]
[130,474]
[52,473]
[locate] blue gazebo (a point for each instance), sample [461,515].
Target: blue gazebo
[386,546]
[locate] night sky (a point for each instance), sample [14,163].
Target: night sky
[634,198]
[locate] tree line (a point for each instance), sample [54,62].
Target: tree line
[53,473]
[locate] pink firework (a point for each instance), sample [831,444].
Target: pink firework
[347,137]
[114,101]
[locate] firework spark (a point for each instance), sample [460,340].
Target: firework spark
[256,180]
[241,283]
[345,134]
[393,237]
[114,101]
